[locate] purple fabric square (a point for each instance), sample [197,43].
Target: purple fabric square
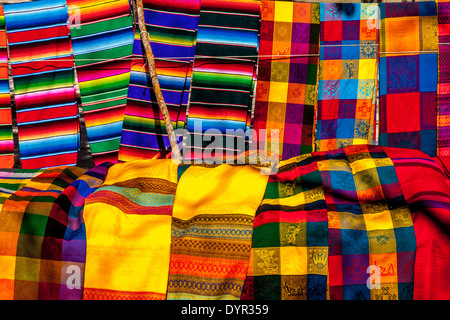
[354,269]
[428,119]
[401,9]
[300,32]
[350,30]
[334,242]
[298,72]
[347,109]
[402,74]
[332,53]
[291,150]
[294,113]
[328,129]
[406,140]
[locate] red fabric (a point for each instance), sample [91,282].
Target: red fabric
[426,187]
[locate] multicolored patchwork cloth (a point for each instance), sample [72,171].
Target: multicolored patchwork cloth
[408,76]
[12,180]
[289,257]
[212,229]
[425,183]
[102,37]
[128,222]
[287,77]
[27,228]
[172,29]
[443,116]
[371,236]
[64,245]
[223,79]
[6,131]
[44,83]
[347,82]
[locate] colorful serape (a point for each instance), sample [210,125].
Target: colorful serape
[223,79]
[12,180]
[289,258]
[6,131]
[128,222]
[369,224]
[212,229]
[408,76]
[287,77]
[44,83]
[172,29]
[425,183]
[25,226]
[102,37]
[443,117]
[347,82]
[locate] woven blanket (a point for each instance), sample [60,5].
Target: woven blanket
[172,29]
[371,236]
[12,180]
[6,132]
[287,77]
[43,75]
[289,257]
[212,229]
[425,183]
[347,82]
[27,228]
[102,38]
[408,76]
[128,224]
[443,116]
[223,79]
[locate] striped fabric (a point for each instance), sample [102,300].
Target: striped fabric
[128,221]
[43,76]
[286,88]
[443,122]
[347,82]
[289,257]
[371,237]
[172,29]
[12,180]
[212,228]
[223,78]
[6,132]
[24,228]
[409,76]
[102,37]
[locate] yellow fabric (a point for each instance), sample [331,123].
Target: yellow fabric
[128,255]
[224,189]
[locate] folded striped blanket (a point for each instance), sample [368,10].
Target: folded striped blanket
[44,83]
[12,180]
[128,221]
[102,38]
[6,132]
[223,79]
[212,227]
[172,29]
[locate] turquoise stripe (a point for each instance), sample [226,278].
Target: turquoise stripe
[148,199]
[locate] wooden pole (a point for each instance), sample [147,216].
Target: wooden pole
[150,59]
